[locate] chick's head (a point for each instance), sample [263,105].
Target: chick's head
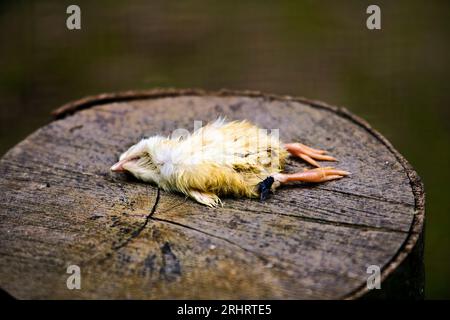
[140,160]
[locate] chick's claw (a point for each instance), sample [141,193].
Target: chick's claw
[307,153]
[313,175]
[206,198]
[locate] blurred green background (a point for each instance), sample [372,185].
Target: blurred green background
[396,78]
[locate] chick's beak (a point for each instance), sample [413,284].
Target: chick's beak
[118,167]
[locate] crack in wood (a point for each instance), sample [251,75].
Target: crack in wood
[257,255]
[362,227]
[138,231]
[381,199]
[266,260]
[123,244]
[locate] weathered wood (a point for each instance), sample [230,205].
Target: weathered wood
[60,205]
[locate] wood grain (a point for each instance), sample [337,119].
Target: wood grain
[60,205]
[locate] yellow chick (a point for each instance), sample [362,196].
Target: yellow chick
[222,158]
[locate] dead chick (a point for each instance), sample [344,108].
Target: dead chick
[222,158]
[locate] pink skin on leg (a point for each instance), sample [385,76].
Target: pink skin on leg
[315,175]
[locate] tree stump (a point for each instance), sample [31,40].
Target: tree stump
[60,206]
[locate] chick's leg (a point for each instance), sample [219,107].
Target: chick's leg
[206,198]
[307,153]
[314,175]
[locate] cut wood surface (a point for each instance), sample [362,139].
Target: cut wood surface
[60,205]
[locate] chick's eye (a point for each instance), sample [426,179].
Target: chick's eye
[148,162]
